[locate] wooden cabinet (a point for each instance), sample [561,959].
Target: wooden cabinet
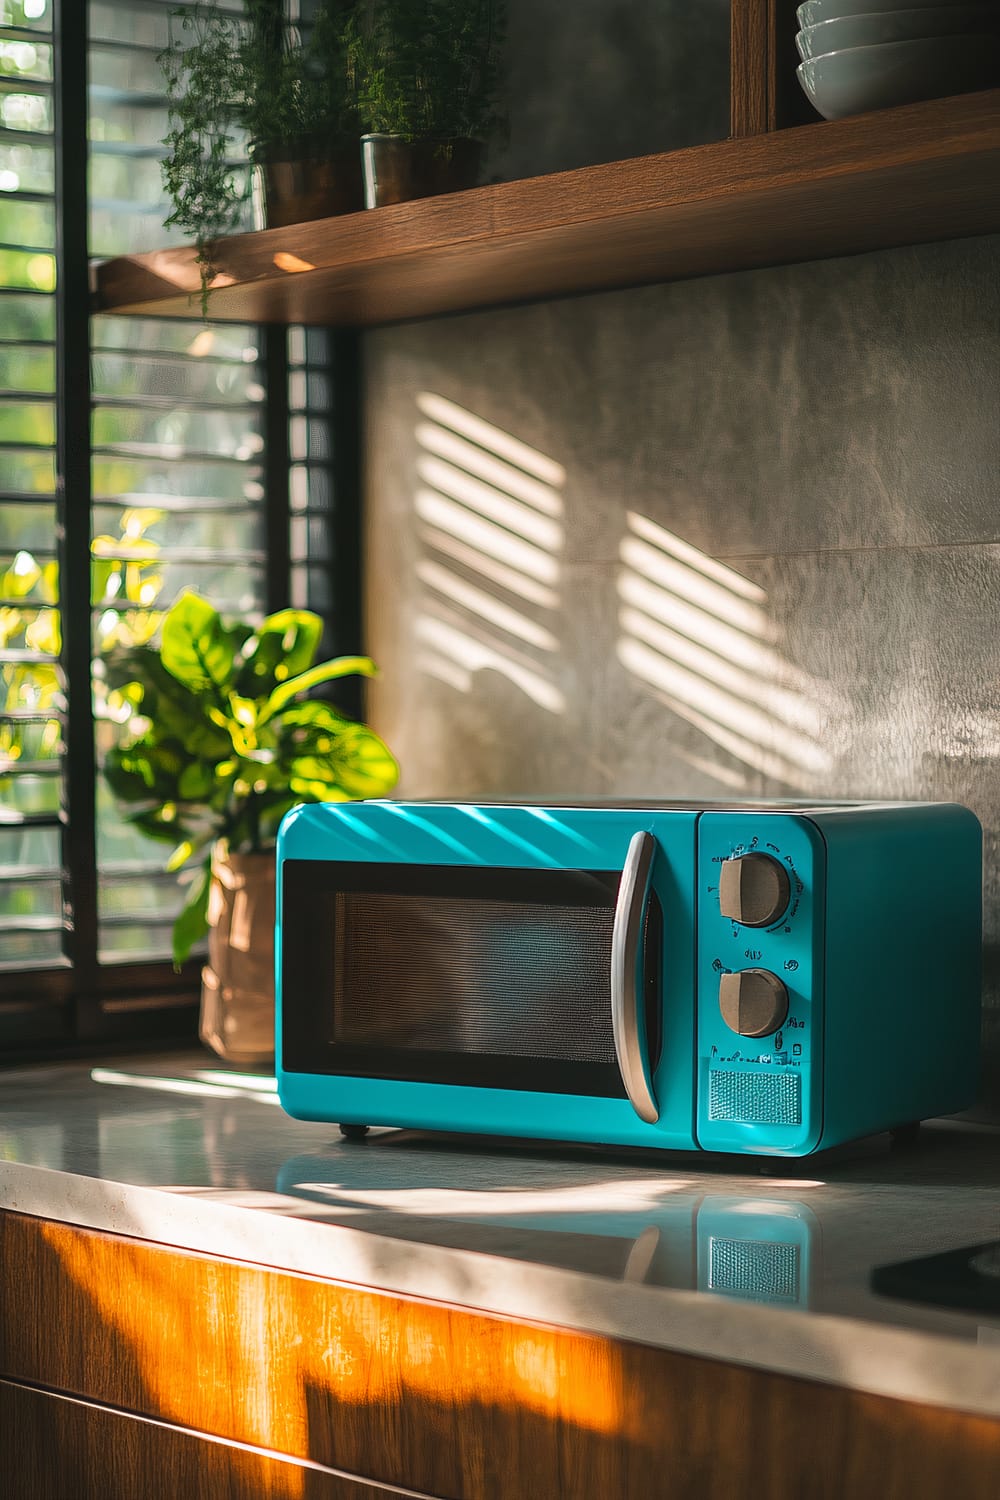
[369,1387]
[56,1447]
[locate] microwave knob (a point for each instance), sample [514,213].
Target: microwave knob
[753,889]
[753,1002]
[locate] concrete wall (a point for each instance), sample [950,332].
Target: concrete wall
[736,536]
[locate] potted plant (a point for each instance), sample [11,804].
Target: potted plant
[427,77]
[219,742]
[286,93]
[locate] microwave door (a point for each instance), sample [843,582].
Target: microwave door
[627,982]
[551,997]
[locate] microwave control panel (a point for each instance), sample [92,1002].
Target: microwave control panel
[759,982]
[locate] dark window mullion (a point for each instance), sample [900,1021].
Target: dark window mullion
[345,374]
[274,367]
[73,496]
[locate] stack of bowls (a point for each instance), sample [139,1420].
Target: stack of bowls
[870,54]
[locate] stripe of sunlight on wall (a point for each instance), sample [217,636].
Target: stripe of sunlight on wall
[699,635]
[491,532]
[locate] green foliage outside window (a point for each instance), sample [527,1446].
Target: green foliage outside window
[124,578]
[31,686]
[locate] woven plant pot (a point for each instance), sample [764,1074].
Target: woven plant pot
[237,983]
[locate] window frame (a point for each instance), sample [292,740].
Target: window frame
[80,1003]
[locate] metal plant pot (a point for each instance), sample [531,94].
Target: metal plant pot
[237,983]
[293,184]
[396,170]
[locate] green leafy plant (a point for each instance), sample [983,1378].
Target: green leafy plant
[220,740]
[428,68]
[250,79]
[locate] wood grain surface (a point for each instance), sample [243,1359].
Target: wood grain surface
[751,45]
[444,1399]
[923,172]
[55,1447]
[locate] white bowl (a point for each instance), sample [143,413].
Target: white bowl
[863,78]
[895,26]
[812,12]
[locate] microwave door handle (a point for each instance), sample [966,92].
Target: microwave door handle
[626,944]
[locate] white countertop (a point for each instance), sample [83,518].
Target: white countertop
[180,1151]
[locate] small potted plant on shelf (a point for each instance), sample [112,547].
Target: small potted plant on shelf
[284,93]
[219,741]
[427,76]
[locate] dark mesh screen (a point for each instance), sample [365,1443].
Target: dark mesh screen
[450,974]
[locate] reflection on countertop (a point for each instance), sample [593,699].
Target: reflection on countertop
[805,1239]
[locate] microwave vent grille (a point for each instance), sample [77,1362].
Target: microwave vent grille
[755,1098]
[763,1269]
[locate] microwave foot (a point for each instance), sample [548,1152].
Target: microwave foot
[354,1132]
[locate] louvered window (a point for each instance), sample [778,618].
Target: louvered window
[137,457]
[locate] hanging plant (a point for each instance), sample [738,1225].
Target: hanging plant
[253,85]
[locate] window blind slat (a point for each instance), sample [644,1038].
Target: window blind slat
[184,432]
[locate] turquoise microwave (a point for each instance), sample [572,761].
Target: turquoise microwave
[753,978]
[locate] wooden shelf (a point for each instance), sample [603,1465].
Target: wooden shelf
[927,171]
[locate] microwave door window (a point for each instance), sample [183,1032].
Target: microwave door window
[456,975]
